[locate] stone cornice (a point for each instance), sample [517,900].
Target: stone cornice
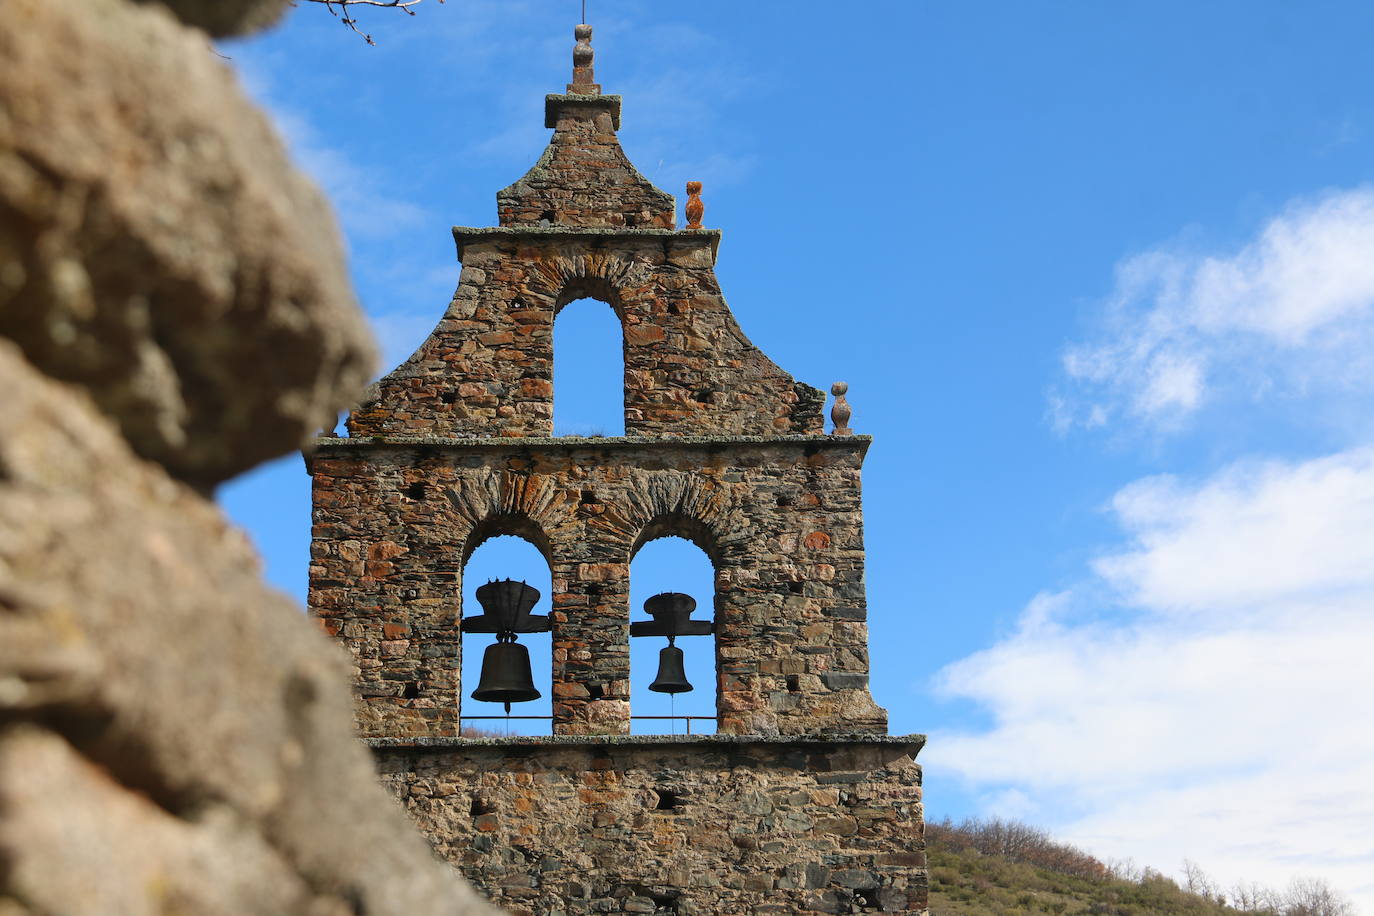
[332,444]
[555,742]
[554,102]
[466,235]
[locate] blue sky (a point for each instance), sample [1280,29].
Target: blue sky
[1101,279]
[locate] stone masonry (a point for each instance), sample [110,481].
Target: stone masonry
[779,518]
[673,825]
[800,803]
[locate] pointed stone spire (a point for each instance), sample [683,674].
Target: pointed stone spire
[584,79]
[584,179]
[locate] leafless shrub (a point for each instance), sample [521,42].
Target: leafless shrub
[1252,898]
[1314,897]
[1200,884]
[468,731]
[1125,870]
[1302,897]
[1016,842]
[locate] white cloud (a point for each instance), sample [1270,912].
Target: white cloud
[1255,537]
[362,201]
[1288,313]
[357,191]
[1208,694]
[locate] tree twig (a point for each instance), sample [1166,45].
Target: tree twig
[339,9]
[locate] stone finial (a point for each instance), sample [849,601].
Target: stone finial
[840,410]
[584,80]
[695,209]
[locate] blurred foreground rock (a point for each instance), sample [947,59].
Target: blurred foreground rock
[226,17]
[156,246]
[175,737]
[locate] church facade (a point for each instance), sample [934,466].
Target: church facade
[800,802]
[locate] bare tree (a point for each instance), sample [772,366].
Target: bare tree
[340,9]
[1249,897]
[1314,897]
[1196,881]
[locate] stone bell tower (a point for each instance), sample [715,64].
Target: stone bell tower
[800,802]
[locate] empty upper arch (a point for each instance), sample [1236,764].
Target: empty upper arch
[678,524]
[503,525]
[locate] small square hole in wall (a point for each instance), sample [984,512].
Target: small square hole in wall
[665,899]
[867,898]
[481,806]
[596,691]
[793,683]
[449,397]
[411,691]
[416,491]
[668,800]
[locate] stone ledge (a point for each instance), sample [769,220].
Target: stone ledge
[572,442]
[916,742]
[554,102]
[466,235]
[336,445]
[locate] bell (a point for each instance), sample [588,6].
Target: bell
[671,677]
[506,675]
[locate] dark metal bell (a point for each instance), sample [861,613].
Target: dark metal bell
[506,675]
[671,676]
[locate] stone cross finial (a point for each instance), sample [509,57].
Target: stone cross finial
[584,80]
[695,209]
[840,411]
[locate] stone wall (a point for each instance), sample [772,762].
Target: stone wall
[487,369]
[684,826]
[780,519]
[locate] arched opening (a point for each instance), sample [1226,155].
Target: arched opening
[496,557]
[588,370]
[670,563]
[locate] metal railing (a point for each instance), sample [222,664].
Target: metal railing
[688,719]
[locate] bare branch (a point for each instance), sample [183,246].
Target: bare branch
[339,9]
[398,4]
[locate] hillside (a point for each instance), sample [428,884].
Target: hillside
[964,882]
[994,868]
